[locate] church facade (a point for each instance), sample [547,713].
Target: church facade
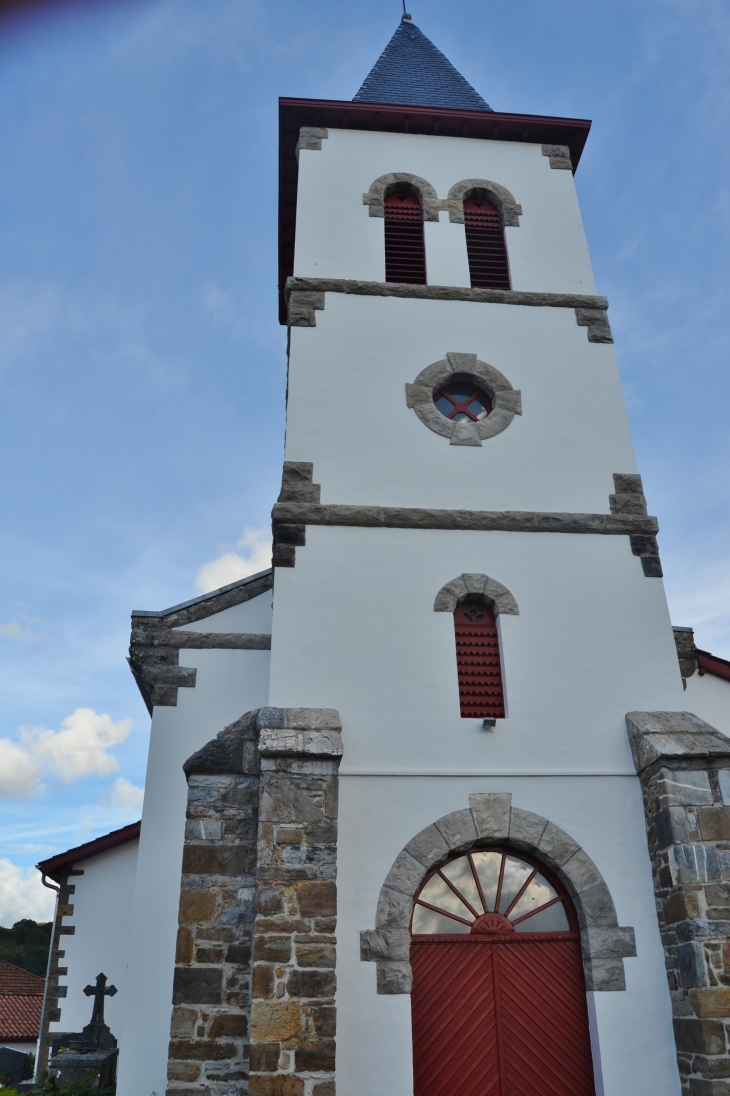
[429,812]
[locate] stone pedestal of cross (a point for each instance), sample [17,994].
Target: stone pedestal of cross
[96,1033]
[90,1056]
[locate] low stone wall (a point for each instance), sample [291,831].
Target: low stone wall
[684,766]
[258,910]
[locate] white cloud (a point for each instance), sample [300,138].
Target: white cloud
[254,555]
[219,305]
[126,795]
[12,629]
[80,748]
[23,895]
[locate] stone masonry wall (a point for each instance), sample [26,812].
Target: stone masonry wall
[293,1011]
[212,988]
[684,765]
[257,911]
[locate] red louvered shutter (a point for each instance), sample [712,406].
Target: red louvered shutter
[405,250]
[478,662]
[488,266]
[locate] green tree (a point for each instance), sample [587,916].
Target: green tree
[26,945]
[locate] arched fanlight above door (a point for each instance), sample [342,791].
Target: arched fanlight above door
[490,891]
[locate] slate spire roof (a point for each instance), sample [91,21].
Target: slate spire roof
[411,71]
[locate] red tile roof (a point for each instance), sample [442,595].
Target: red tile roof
[14,980]
[20,1017]
[21,1001]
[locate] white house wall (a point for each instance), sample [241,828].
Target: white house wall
[709,698]
[229,683]
[102,918]
[337,238]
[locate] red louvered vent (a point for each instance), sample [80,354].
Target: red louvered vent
[405,251]
[478,662]
[485,246]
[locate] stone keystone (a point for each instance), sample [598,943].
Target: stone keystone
[491,813]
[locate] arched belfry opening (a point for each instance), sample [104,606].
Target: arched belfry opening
[405,249]
[498,1001]
[485,243]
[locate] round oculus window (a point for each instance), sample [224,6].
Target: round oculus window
[462,401]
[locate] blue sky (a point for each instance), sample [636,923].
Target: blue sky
[142,367]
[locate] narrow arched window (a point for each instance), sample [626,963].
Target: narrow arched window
[487,251]
[405,251]
[478,661]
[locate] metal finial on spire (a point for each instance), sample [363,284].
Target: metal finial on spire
[406,16]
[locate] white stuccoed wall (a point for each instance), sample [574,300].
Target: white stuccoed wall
[354,626]
[592,642]
[348,413]
[102,917]
[337,237]
[229,683]
[709,698]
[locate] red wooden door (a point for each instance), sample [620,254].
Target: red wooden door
[501,1015]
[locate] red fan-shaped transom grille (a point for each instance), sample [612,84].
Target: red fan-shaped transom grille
[478,662]
[489,891]
[488,266]
[405,252]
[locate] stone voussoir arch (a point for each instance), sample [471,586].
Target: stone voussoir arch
[381,187]
[497,597]
[492,820]
[499,195]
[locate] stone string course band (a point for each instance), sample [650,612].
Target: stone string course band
[299,505]
[510,521]
[305,295]
[492,820]
[684,767]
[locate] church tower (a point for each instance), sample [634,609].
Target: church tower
[415,855]
[465,571]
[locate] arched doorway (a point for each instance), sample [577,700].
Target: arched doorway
[498,999]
